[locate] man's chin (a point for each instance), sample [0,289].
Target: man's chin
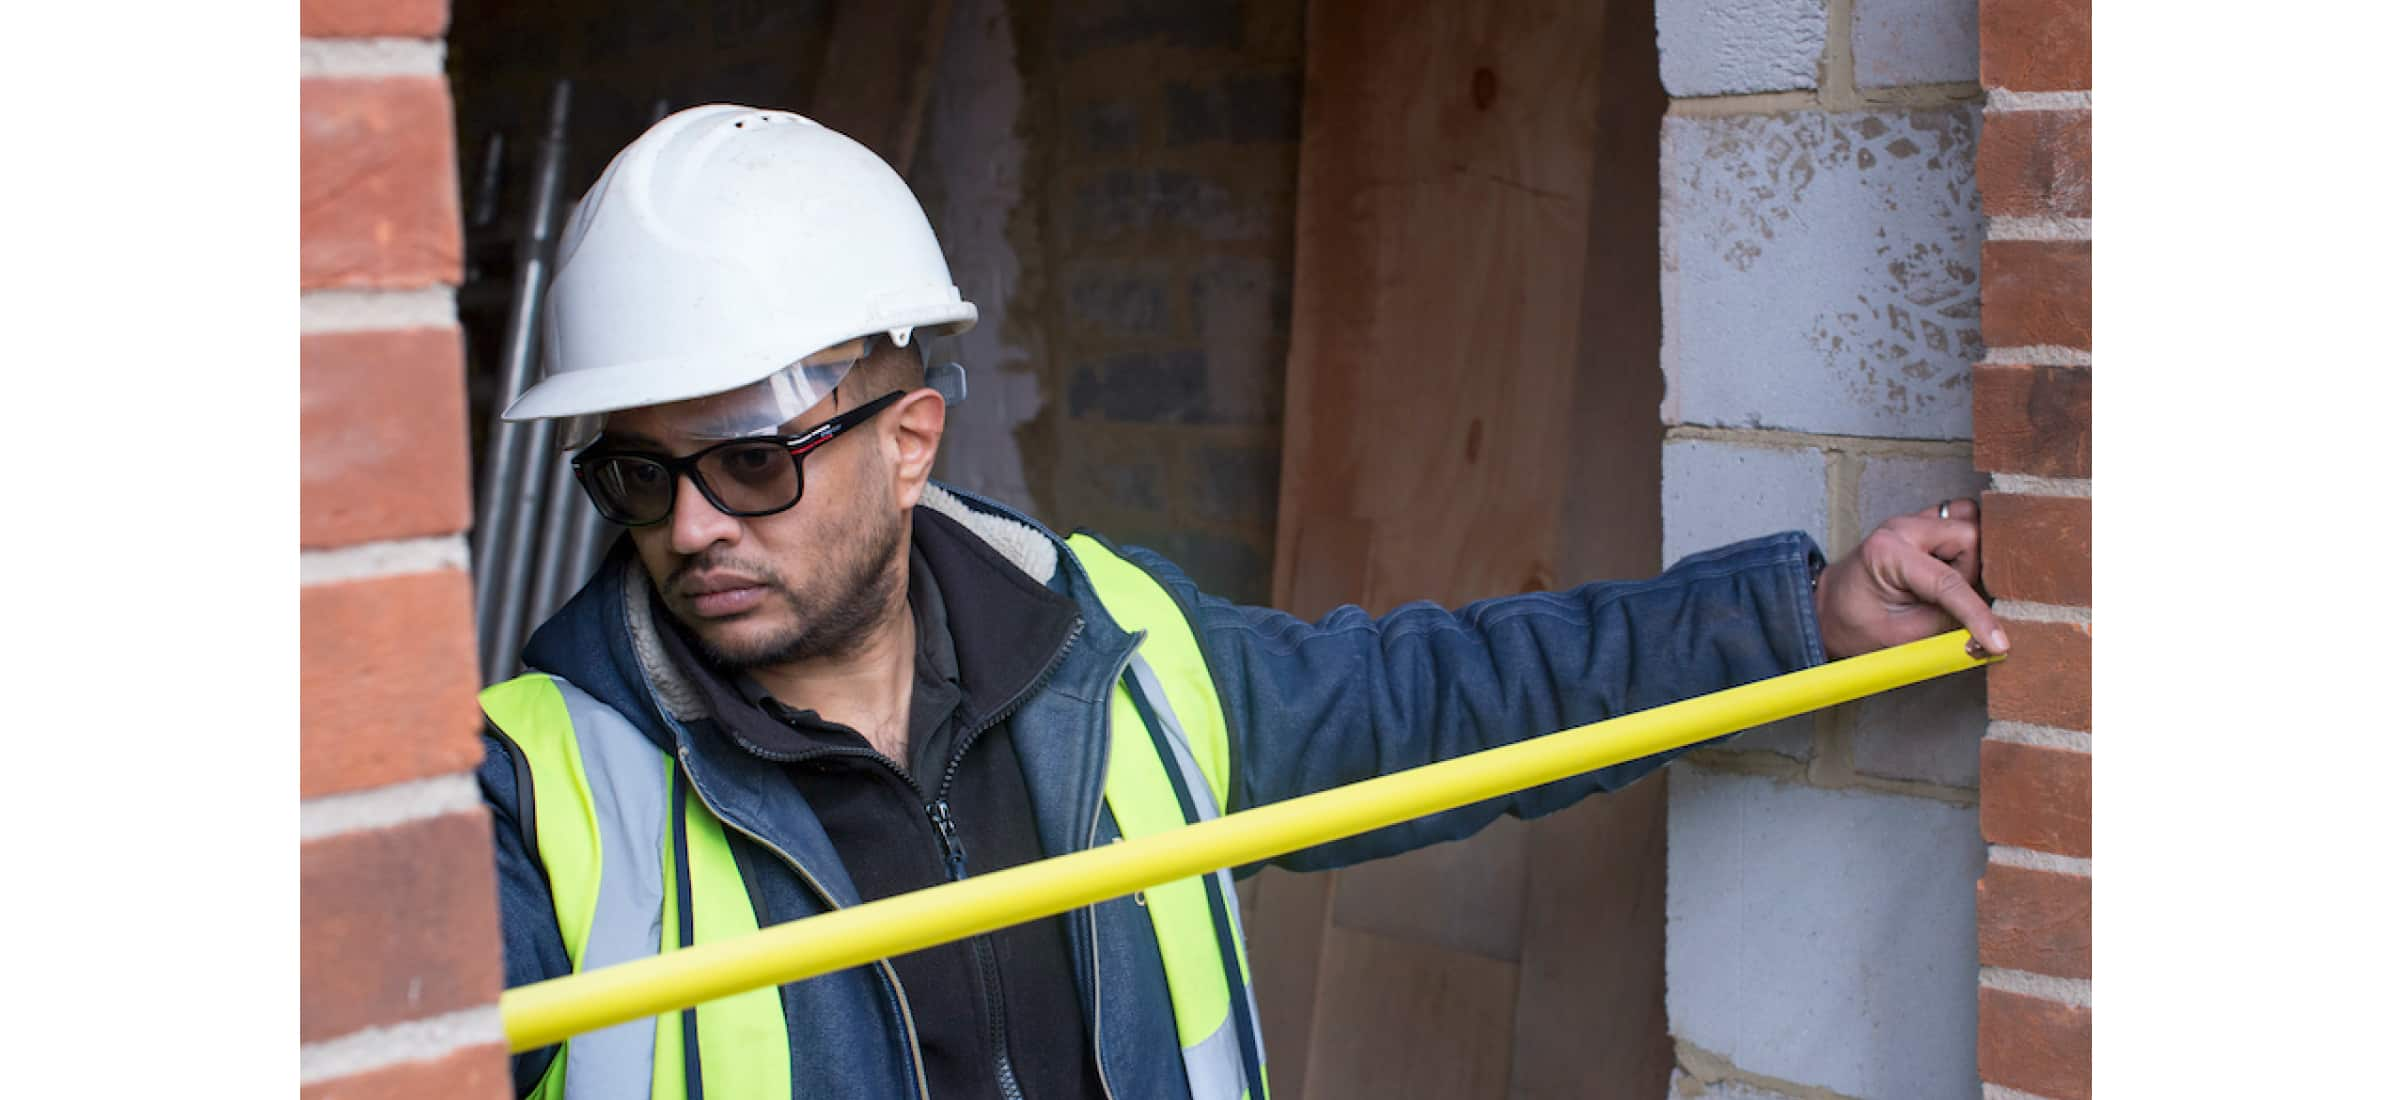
[743,640]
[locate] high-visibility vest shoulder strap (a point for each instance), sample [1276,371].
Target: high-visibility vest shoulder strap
[625,850]
[1170,767]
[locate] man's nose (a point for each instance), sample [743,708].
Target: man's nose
[697,524]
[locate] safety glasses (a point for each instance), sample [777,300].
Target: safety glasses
[757,476]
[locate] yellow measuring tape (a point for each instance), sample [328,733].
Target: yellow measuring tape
[548,1012]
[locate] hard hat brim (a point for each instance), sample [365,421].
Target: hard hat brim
[636,384]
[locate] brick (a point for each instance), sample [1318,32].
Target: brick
[1734,47]
[2037,164]
[2035,1046]
[1861,231]
[2040,922]
[382,451]
[2038,798]
[396,924]
[377,183]
[474,1073]
[2036,45]
[2039,548]
[2039,292]
[1896,42]
[2034,419]
[373,18]
[1788,906]
[386,681]
[2048,678]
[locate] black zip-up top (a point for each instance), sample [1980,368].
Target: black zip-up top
[997,1015]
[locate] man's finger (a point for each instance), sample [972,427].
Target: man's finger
[1950,540]
[1940,584]
[1955,508]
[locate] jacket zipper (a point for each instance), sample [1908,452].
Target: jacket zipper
[942,822]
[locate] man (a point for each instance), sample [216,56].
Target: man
[811,677]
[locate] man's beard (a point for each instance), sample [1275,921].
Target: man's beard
[859,590]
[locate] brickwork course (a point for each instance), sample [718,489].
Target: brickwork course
[1823,267]
[394,999]
[2034,434]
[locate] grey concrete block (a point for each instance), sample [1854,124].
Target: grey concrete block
[1108,126]
[1892,485]
[1715,492]
[1826,937]
[1242,309]
[1819,272]
[1127,202]
[1734,47]
[1928,732]
[1118,300]
[1241,108]
[1896,42]
[1165,387]
[1210,24]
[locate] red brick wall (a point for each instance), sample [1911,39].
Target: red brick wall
[2034,435]
[399,963]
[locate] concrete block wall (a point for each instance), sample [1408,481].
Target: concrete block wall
[2034,434]
[1821,236]
[1115,187]
[398,941]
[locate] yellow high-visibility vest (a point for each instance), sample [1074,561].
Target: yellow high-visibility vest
[626,850]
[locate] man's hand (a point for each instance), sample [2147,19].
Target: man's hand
[1912,578]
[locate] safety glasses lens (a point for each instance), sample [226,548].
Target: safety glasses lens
[629,489]
[751,478]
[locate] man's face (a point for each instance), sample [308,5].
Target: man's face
[800,583]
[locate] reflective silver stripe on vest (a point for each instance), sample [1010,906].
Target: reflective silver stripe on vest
[1213,1070]
[628,777]
[1213,1065]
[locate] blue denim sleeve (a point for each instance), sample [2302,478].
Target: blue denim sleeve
[1313,706]
[533,947]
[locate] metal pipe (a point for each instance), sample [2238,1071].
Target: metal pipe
[546,1012]
[554,576]
[498,539]
[485,192]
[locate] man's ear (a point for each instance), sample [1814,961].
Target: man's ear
[918,422]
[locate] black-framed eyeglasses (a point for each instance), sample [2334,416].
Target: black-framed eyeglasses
[757,476]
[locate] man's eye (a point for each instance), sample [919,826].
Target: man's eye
[750,460]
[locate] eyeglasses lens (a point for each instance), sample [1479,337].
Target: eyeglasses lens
[631,490]
[751,477]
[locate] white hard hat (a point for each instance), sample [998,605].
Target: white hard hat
[719,250]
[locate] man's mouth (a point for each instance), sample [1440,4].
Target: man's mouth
[722,595]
